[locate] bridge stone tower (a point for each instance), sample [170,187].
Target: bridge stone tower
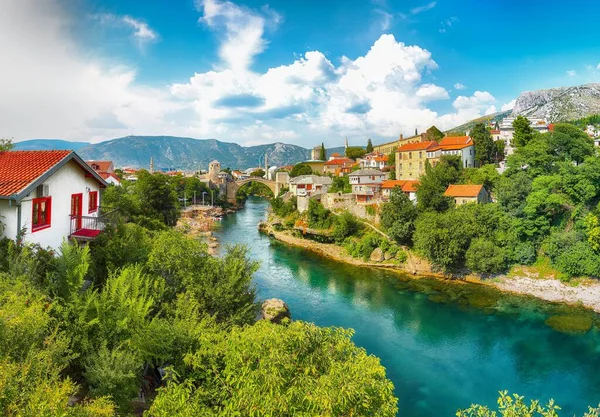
[213,170]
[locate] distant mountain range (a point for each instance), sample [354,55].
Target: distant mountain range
[495,117]
[49,145]
[171,152]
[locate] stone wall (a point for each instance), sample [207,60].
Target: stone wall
[338,202]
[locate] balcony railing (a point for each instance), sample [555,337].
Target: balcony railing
[89,227]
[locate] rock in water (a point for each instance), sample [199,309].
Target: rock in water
[275,311]
[377,255]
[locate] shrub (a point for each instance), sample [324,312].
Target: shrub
[345,225]
[318,216]
[578,260]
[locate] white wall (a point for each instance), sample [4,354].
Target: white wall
[68,180]
[8,217]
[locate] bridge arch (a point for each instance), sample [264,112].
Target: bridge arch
[234,186]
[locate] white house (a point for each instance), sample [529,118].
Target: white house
[51,195]
[366,184]
[507,131]
[307,185]
[374,161]
[462,146]
[408,187]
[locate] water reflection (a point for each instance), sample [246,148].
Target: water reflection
[444,345]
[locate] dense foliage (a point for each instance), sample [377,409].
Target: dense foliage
[300,169]
[355,152]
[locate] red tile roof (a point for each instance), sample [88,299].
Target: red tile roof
[455,142]
[392,183]
[335,155]
[406,185]
[106,175]
[339,161]
[409,186]
[418,146]
[18,169]
[102,166]
[468,190]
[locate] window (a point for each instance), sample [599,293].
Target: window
[41,215]
[93,201]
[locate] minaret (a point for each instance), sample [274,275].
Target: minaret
[346,144]
[266,166]
[151,165]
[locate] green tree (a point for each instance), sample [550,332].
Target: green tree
[355,152]
[159,197]
[486,175]
[499,147]
[484,257]
[340,185]
[300,169]
[484,144]
[398,217]
[323,153]
[369,146]
[430,193]
[345,225]
[318,216]
[512,192]
[269,369]
[258,173]
[523,132]
[570,143]
[6,144]
[391,159]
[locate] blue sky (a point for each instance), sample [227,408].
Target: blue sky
[301,72]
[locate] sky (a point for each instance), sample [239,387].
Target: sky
[294,71]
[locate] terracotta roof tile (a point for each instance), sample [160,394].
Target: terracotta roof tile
[418,146]
[102,166]
[410,186]
[339,161]
[392,183]
[459,190]
[18,169]
[455,142]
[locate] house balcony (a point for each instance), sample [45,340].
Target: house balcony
[85,228]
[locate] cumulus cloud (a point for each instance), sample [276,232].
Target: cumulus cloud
[381,93]
[509,106]
[571,73]
[459,86]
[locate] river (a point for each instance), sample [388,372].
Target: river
[441,352]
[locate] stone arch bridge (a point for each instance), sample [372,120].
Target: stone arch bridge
[274,186]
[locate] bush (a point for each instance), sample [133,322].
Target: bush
[578,260]
[318,216]
[363,247]
[484,257]
[524,254]
[345,225]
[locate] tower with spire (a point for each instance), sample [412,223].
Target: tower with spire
[346,143]
[151,165]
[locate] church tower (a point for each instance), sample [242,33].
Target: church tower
[151,165]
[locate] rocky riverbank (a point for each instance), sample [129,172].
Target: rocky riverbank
[585,294]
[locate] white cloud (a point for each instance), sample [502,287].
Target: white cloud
[491,110]
[432,92]
[142,30]
[598,67]
[424,8]
[53,90]
[385,21]
[242,28]
[459,86]
[571,73]
[509,106]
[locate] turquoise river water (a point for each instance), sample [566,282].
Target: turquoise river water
[444,346]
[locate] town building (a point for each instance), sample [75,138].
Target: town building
[338,166]
[462,146]
[366,184]
[318,167]
[411,158]
[468,193]
[374,161]
[408,187]
[507,131]
[309,185]
[51,195]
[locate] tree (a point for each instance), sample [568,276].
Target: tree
[570,143]
[430,193]
[499,147]
[159,197]
[6,144]
[398,217]
[345,225]
[369,146]
[323,154]
[391,159]
[276,370]
[300,169]
[523,132]
[484,144]
[484,257]
[318,216]
[340,185]
[355,152]
[515,406]
[486,175]
[260,173]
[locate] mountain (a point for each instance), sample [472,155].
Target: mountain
[494,117]
[559,104]
[171,152]
[49,145]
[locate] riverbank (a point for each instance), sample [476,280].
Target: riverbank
[585,294]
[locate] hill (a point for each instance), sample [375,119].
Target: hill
[171,152]
[494,117]
[49,145]
[559,104]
